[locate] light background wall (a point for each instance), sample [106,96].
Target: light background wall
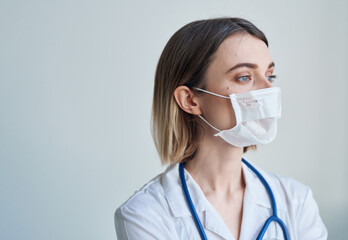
[76,81]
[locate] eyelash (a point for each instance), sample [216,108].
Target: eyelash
[249,78]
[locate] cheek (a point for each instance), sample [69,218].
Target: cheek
[238,88]
[219,113]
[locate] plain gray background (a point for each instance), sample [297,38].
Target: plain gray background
[76,81]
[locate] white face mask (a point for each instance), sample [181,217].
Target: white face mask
[257,113]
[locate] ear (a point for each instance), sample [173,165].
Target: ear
[186,100]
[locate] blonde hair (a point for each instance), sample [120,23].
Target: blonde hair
[184,61]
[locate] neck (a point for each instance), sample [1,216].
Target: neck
[217,167]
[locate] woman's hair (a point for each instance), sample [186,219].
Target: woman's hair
[184,61]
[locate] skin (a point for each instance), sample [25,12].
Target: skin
[217,166]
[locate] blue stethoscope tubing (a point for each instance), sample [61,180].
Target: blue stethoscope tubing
[274,216]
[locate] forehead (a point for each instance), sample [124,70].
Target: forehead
[242,47]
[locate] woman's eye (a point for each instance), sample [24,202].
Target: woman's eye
[244,78]
[271,78]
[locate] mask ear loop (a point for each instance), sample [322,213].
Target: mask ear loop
[215,94]
[209,123]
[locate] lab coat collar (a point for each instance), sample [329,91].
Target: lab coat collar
[255,196]
[178,205]
[175,195]
[257,190]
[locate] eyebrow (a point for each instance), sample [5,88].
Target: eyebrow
[249,65]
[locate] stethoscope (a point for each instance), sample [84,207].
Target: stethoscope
[274,216]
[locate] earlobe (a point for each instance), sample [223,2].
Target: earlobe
[186,100]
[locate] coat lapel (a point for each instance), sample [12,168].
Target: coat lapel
[211,221]
[257,206]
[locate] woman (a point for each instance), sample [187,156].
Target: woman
[214,100]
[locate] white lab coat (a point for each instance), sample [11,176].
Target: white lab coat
[159,210]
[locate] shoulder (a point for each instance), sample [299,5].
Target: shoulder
[290,189]
[152,197]
[286,190]
[147,198]
[146,214]
[296,201]
[290,193]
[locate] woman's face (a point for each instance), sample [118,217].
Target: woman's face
[241,63]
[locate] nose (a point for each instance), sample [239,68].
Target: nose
[263,82]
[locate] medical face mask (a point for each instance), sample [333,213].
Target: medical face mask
[256,112]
